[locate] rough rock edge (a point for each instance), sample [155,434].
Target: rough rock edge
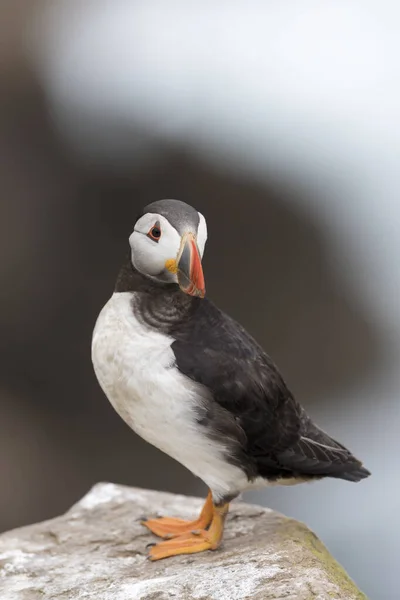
[98,550]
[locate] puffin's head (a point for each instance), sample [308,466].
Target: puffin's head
[167,245]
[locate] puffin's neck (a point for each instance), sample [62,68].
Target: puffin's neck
[129,279]
[161,306]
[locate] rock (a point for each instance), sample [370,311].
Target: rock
[97,550]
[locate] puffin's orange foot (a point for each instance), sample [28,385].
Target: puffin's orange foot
[195,541]
[188,543]
[166,527]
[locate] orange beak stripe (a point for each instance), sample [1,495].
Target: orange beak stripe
[198,287]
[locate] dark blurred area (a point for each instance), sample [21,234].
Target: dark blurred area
[65,225]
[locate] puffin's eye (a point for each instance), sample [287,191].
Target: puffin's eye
[155,233]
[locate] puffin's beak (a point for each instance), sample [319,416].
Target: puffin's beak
[190,271]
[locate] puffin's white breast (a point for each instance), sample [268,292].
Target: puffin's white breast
[135,366]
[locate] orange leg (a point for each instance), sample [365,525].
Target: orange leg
[168,528]
[196,541]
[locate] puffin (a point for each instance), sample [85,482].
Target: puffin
[190,380]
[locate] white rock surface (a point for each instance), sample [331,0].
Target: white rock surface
[97,550]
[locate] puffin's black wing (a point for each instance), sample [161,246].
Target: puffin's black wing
[251,406]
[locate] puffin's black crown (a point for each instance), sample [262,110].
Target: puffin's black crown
[182,216]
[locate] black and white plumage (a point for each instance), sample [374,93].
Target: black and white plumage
[191,381]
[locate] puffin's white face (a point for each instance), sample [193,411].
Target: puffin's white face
[160,251]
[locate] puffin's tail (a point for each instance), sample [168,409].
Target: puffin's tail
[354,475]
[318,455]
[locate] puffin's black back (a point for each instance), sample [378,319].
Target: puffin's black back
[274,436]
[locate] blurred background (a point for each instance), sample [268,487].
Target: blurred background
[281,123]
